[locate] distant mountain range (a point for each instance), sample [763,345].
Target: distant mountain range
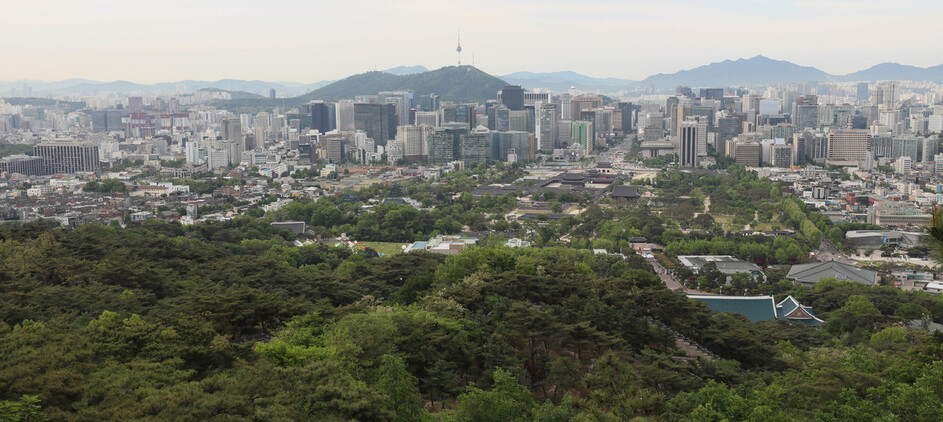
[458,83]
[89,87]
[753,71]
[762,70]
[563,81]
[898,72]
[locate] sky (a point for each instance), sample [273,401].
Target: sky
[308,41]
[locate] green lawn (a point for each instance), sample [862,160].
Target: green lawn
[388,248]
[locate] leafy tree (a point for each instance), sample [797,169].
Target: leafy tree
[507,400]
[401,390]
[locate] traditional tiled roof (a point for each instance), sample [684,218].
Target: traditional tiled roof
[760,308]
[627,192]
[812,273]
[755,308]
[792,310]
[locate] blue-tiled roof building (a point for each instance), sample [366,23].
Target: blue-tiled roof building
[761,308]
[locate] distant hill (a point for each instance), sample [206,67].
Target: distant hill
[45,102]
[898,72]
[562,81]
[406,70]
[753,71]
[451,83]
[88,87]
[236,95]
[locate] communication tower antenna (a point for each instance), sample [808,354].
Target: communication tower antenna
[459,48]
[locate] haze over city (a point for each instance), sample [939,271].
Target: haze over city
[306,42]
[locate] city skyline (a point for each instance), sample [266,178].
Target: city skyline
[105,40]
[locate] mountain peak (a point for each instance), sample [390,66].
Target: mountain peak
[757,70]
[406,70]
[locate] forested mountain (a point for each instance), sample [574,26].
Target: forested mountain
[450,83]
[753,71]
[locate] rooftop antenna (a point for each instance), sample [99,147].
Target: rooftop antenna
[473,58]
[459,48]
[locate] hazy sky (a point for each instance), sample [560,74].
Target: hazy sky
[308,41]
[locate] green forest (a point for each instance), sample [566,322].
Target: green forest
[229,321]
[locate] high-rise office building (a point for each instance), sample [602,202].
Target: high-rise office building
[402,102]
[905,146]
[503,142]
[474,147]
[727,128]
[512,96]
[848,144]
[67,157]
[781,155]
[929,147]
[427,118]
[701,140]
[564,133]
[230,129]
[413,142]
[546,126]
[582,103]
[317,116]
[334,148]
[566,107]
[627,109]
[603,121]
[460,113]
[532,98]
[499,118]
[684,110]
[518,120]
[344,116]
[863,92]
[581,132]
[106,120]
[747,153]
[687,149]
[890,95]
[671,112]
[378,121]
[429,102]
[807,113]
[798,148]
[440,145]
[712,93]
[882,145]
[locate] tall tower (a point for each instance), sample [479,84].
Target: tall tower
[459,48]
[688,146]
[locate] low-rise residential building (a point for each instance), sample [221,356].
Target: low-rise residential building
[445,245]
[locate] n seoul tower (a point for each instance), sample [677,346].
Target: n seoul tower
[459,48]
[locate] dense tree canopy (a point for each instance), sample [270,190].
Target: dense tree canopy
[230,320]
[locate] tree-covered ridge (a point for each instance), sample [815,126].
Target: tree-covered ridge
[450,83]
[230,320]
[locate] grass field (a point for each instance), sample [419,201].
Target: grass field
[388,248]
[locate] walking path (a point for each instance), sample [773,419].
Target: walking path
[691,349]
